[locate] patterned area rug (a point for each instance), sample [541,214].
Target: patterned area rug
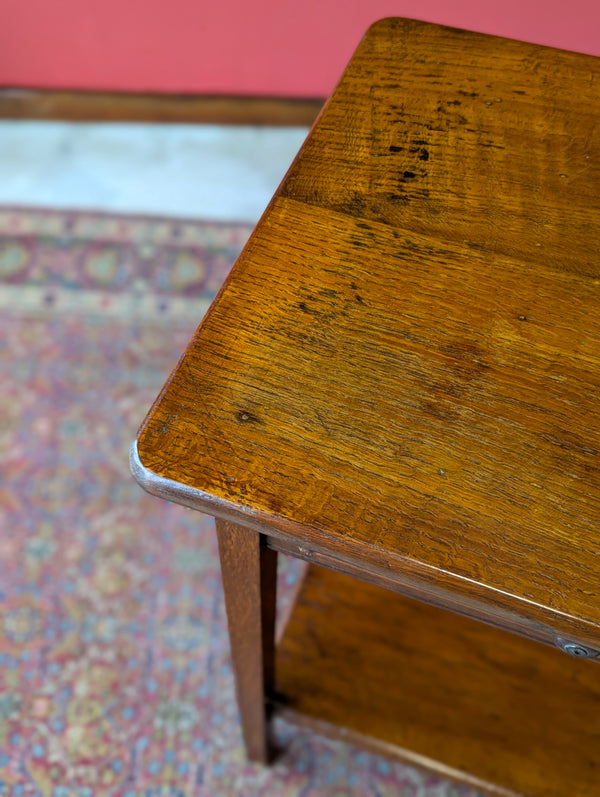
[114,658]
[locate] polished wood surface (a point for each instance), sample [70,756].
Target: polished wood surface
[502,713]
[403,370]
[249,571]
[400,380]
[107,106]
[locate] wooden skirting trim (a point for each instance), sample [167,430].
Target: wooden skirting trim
[104,106]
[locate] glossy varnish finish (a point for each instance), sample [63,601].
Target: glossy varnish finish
[403,368]
[400,380]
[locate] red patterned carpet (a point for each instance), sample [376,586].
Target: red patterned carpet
[114,657]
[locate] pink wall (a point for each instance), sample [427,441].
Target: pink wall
[275,47]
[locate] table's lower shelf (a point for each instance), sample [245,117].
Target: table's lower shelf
[428,686]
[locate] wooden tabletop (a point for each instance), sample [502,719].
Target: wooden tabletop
[403,369]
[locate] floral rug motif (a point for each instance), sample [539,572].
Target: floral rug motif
[114,656]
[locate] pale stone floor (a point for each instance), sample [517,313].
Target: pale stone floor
[193,171]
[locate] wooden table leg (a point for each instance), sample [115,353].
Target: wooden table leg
[249,571]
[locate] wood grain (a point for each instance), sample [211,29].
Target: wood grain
[249,571]
[403,367]
[501,713]
[112,106]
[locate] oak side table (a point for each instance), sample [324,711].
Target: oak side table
[400,384]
